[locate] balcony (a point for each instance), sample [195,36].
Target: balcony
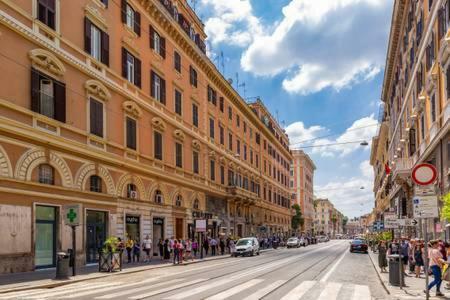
[401,170]
[240,193]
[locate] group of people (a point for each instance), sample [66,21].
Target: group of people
[133,249]
[413,256]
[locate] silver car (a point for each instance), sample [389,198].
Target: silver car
[293,242]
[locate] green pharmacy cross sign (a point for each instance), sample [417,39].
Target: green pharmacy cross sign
[71,214]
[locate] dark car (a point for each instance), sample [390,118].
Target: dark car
[359,246]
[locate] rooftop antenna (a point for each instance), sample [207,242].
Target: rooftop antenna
[223,62]
[243,85]
[237,81]
[278,120]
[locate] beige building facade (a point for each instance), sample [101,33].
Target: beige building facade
[114,105]
[327,219]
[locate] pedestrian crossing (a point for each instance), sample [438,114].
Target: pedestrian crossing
[191,288]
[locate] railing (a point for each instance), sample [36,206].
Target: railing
[402,166]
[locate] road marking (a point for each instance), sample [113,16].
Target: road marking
[62,290]
[361,292]
[235,290]
[299,291]
[331,291]
[141,289]
[13,295]
[167,289]
[328,274]
[262,292]
[106,289]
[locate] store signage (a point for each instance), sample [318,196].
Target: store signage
[72,214]
[378,226]
[425,207]
[132,220]
[158,221]
[197,214]
[200,225]
[390,220]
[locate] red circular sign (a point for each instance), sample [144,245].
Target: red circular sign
[424,174]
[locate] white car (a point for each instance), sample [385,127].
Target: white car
[303,242]
[293,242]
[247,246]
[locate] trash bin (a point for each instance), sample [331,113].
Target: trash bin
[62,265]
[394,271]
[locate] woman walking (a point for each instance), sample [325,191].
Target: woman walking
[166,250]
[418,258]
[435,263]
[176,252]
[382,261]
[161,249]
[195,247]
[189,250]
[147,246]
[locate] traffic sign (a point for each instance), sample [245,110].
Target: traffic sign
[200,225]
[390,220]
[407,222]
[378,226]
[424,174]
[425,207]
[72,214]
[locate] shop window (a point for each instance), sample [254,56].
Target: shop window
[46,174]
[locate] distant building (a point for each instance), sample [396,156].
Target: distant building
[327,219]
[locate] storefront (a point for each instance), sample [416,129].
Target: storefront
[96,233]
[46,233]
[158,233]
[132,228]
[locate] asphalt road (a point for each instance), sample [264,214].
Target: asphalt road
[325,271]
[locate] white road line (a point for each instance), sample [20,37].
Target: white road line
[361,292]
[141,289]
[299,291]
[13,295]
[235,290]
[330,271]
[63,290]
[331,291]
[167,289]
[262,292]
[106,289]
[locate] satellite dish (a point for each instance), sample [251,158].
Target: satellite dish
[230,80]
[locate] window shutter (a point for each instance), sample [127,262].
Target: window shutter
[137,23]
[448,82]
[163,91]
[123,10]
[124,63]
[152,84]
[100,119]
[152,35]
[441,23]
[163,47]
[60,101]
[87,35]
[35,89]
[105,48]
[137,72]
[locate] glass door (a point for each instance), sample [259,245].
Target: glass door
[95,234]
[45,245]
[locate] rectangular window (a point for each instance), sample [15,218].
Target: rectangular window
[238,147]
[195,167]
[257,160]
[96,42]
[212,170]
[130,17]
[238,121]
[131,68]
[221,104]
[222,175]
[46,174]
[212,95]
[178,155]
[422,127]
[157,42]
[211,128]
[245,127]
[221,135]
[230,141]
[47,12]
[195,115]
[230,113]
[433,108]
[158,88]
[95,184]
[48,96]
[158,145]
[96,117]
[192,76]
[178,101]
[131,133]
[251,157]
[245,152]
[177,61]
[258,138]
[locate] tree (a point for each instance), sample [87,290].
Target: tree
[297,219]
[445,212]
[334,220]
[344,223]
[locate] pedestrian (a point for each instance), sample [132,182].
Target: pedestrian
[382,261]
[171,244]
[129,246]
[189,250]
[213,245]
[147,246]
[166,250]
[412,246]
[136,251]
[404,251]
[418,258]
[181,248]
[176,252]
[222,246]
[195,247]
[232,247]
[161,248]
[435,263]
[206,246]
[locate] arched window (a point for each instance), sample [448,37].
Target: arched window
[46,174]
[196,204]
[178,201]
[131,191]
[95,184]
[158,197]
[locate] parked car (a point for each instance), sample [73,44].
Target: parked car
[247,246]
[293,242]
[322,239]
[303,242]
[359,246]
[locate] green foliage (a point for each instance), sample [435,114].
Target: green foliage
[297,219]
[344,221]
[110,245]
[445,212]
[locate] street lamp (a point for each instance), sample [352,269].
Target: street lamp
[361,143]
[364,143]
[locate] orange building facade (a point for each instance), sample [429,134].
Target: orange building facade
[114,105]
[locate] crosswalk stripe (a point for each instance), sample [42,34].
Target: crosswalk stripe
[141,289]
[262,292]
[331,291]
[299,291]
[13,295]
[235,290]
[106,289]
[361,292]
[167,289]
[62,291]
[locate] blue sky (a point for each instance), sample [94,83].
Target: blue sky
[318,65]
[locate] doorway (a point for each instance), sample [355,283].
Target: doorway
[179,228]
[45,245]
[95,234]
[158,233]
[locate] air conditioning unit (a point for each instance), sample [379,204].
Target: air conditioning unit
[133,194]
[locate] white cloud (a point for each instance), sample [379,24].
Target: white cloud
[320,44]
[366,169]
[310,139]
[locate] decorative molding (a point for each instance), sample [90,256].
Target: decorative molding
[196,144]
[96,16]
[97,89]
[5,164]
[132,108]
[47,61]
[212,154]
[179,135]
[90,169]
[159,124]
[136,180]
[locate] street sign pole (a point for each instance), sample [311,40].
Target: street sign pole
[426,259]
[400,262]
[74,247]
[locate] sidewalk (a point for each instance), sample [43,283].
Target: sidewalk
[414,286]
[45,278]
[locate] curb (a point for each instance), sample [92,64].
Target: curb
[105,275]
[379,276]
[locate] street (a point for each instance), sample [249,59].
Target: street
[323,271]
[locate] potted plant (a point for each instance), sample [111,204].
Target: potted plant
[110,257]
